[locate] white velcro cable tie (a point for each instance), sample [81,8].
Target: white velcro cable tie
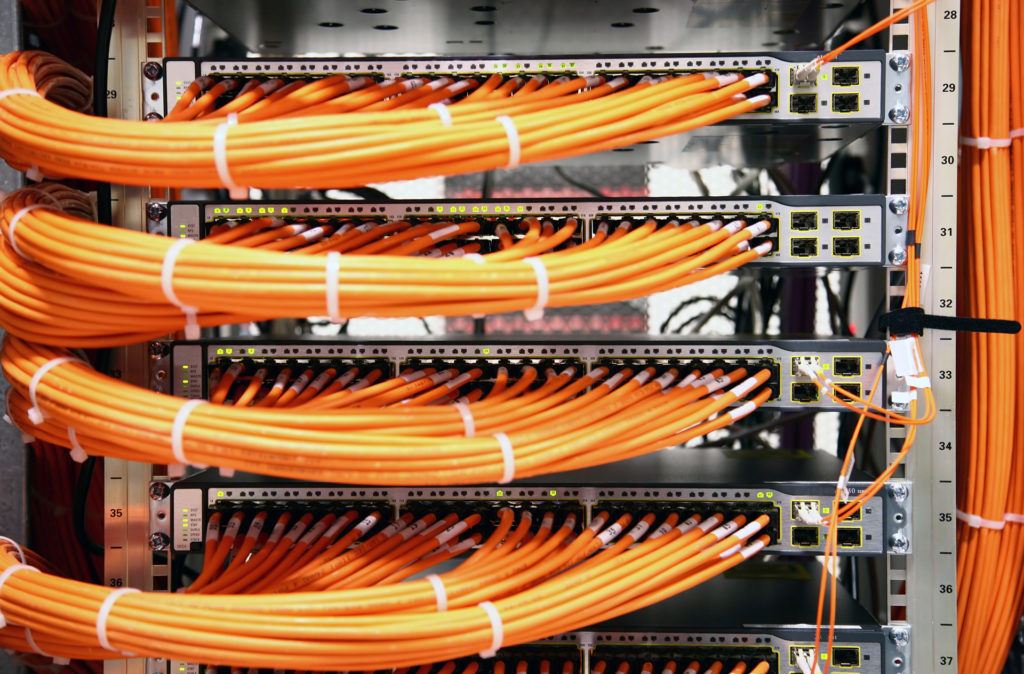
[331,290]
[497,629]
[35,413]
[985,143]
[167,285]
[439,591]
[178,430]
[13,224]
[443,112]
[104,613]
[512,133]
[78,455]
[16,546]
[919,382]
[508,458]
[468,422]
[979,522]
[220,158]
[57,660]
[7,573]
[18,91]
[536,312]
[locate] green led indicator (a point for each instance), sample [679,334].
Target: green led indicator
[500,492]
[486,350]
[184,381]
[184,367]
[220,494]
[553,492]
[229,351]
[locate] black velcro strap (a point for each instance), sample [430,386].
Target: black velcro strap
[913,321]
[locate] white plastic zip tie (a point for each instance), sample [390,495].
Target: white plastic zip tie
[919,382]
[439,592]
[508,458]
[985,143]
[468,424]
[7,573]
[16,546]
[443,112]
[475,257]
[13,224]
[77,454]
[512,133]
[167,285]
[497,629]
[979,522]
[905,358]
[57,660]
[18,91]
[536,312]
[104,613]
[35,413]
[178,430]
[220,158]
[332,270]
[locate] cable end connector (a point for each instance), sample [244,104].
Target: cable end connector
[805,75]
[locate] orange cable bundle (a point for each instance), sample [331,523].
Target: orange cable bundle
[990,551]
[70,282]
[546,578]
[347,131]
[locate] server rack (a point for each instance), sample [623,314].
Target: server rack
[919,606]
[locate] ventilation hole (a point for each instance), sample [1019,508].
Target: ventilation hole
[833,5]
[330,24]
[482,8]
[373,10]
[645,10]
[385,26]
[769,44]
[622,24]
[485,22]
[654,47]
[784,31]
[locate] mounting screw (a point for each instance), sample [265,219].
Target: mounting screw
[153,117]
[899,114]
[157,349]
[898,491]
[158,542]
[899,637]
[156,210]
[898,543]
[154,71]
[158,491]
[899,62]
[899,205]
[898,255]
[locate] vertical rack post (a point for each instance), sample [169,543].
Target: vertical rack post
[137,36]
[929,578]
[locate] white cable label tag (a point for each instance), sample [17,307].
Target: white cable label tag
[905,357]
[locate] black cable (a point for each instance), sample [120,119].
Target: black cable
[105,28]
[426,326]
[487,186]
[368,193]
[780,419]
[577,184]
[682,305]
[78,506]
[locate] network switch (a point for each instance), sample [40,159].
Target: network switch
[185,368]
[804,231]
[793,488]
[788,128]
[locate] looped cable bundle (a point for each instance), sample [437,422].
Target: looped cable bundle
[335,132]
[66,281]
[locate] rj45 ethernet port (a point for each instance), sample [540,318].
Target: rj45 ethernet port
[846,246]
[846,220]
[845,102]
[845,76]
[803,247]
[806,537]
[846,366]
[802,221]
[849,537]
[805,392]
[845,656]
[803,104]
